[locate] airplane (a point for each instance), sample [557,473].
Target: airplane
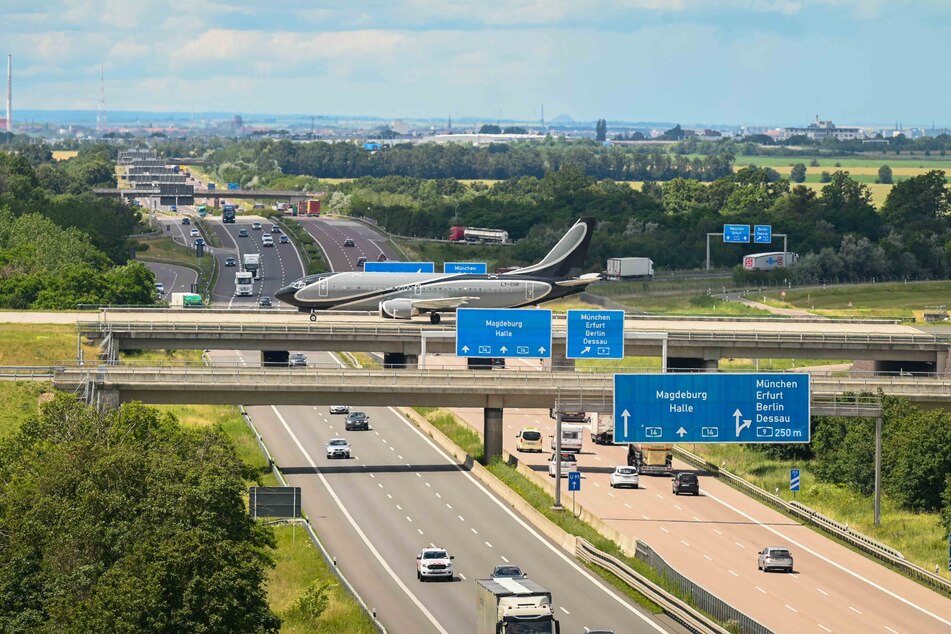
[406,295]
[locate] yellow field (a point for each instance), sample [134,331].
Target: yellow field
[64,155]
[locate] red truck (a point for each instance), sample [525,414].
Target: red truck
[308,208]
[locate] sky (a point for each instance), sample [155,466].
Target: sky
[740,62]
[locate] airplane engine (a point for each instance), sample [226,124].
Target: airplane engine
[397,309]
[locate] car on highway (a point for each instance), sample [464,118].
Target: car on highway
[275,229]
[264,302]
[569,462]
[195,233]
[361,261]
[297,360]
[230,261]
[434,563]
[266,241]
[338,448]
[357,420]
[529,439]
[349,243]
[283,239]
[242,233]
[186,220]
[160,288]
[685,482]
[339,409]
[199,242]
[381,257]
[510,571]
[256,226]
[173,208]
[624,476]
[774,558]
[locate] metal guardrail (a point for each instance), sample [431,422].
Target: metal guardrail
[23,373]
[710,603]
[800,511]
[672,606]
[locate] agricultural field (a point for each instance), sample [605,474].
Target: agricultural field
[893,299]
[64,155]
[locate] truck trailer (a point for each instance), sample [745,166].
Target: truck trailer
[769,261]
[475,234]
[308,208]
[651,459]
[603,431]
[251,262]
[630,269]
[228,213]
[514,606]
[185,300]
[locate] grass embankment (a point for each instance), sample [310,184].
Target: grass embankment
[18,401]
[689,303]
[919,536]
[305,245]
[471,442]
[494,255]
[46,344]
[893,299]
[160,357]
[167,251]
[652,364]
[367,360]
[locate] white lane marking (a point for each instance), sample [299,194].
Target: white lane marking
[628,505]
[697,519]
[664,529]
[379,484]
[419,531]
[596,484]
[685,543]
[389,496]
[890,629]
[790,607]
[399,508]
[717,532]
[474,531]
[659,496]
[644,516]
[708,557]
[448,506]
[611,494]
[739,544]
[356,527]
[488,544]
[829,561]
[732,573]
[563,610]
[437,495]
[372,476]
[557,552]
[461,518]
[760,589]
[855,610]
[677,507]
[828,630]
[409,519]
[822,591]
[462,576]
[505,560]
[399,456]
[429,485]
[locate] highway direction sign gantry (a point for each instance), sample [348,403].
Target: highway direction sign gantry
[595,334]
[711,408]
[503,332]
[762,234]
[399,267]
[472,268]
[736,233]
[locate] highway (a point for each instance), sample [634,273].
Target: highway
[400,493]
[175,279]
[330,235]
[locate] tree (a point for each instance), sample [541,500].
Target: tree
[918,203]
[825,177]
[601,130]
[884,175]
[490,128]
[676,133]
[798,173]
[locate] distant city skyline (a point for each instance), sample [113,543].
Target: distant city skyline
[713,62]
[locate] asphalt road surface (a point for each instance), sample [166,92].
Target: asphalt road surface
[400,493]
[331,233]
[175,279]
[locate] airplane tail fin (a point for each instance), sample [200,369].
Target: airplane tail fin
[566,259]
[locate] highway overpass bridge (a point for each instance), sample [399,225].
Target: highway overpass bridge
[257,194]
[494,391]
[686,344]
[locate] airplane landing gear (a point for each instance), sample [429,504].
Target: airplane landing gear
[434,318]
[313,316]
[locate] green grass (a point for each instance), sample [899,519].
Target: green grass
[367,360]
[19,401]
[493,255]
[44,344]
[160,357]
[868,300]
[827,163]
[167,251]
[457,431]
[919,536]
[686,304]
[229,418]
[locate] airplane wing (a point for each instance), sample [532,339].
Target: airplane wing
[587,278]
[442,303]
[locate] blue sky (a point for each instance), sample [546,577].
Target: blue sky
[754,62]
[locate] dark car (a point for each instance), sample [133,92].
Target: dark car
[348,242]
[186,220]
[507,570]
[230,261]
[242,233]
[283,239]
[381,257]
[361,261]
[357,420]
[686,482]
[265,302]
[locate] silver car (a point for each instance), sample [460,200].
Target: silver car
[339,409]
[338,448]
[774,558]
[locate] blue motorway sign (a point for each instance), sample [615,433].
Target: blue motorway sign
[399,267]
[794,479]
[574,480]
[503,332]
[762,234]
[736,233]
[595,334]
[711,408]
[472,268]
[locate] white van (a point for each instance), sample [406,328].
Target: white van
[571,437]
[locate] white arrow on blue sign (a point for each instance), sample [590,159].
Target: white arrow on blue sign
[794,479]
[763,234]
[595,334]
[574,481]
[736,233]
[503,332]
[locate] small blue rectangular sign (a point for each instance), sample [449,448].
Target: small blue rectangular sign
[763,234]
[503,332]
[472,268]
[574,480]
[399,267]
[721,408]
[234,185]
[794,479]
[595,334]
[736,233]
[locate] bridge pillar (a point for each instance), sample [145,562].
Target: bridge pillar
[561,363]
[400,361]
[691,364]
[492,433]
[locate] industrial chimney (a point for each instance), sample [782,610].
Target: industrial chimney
[9,93]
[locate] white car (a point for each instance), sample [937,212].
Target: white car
[624,477]
[256,226]
[568,463]
[194,233]
[338,448]
[160,288]
[434,563]
[339,409]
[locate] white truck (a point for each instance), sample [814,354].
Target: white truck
[185,300]
[243,284]
[251,262]
[512,606]
[602,431]
[630,269]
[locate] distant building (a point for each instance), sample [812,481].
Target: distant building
[819,130]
